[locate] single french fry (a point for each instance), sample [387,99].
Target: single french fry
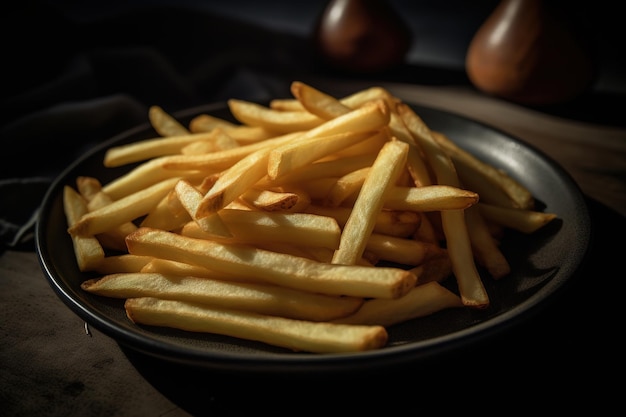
[317,102]
[87,249]
[220,160]
[121,211]
[242,134]
[525,221]
[286,104]
[272,267]
[473,292]
[151,148]
[269,200]
[384,172]
[402,251]
[145,175]
[486,250]
[256,227]
[164,123]
[371,146]
[489,181]
[302,201]
[421,301]
[245,135]
[370,117]
[219,141]
[169,267]
[298,335]
[352,101]
[430,198]
[260,298]
[203,123]
[388,222]
[254,114]
[122,263]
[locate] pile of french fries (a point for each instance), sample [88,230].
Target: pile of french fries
[313,224]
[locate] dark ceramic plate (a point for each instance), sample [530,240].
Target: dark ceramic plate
[541,265]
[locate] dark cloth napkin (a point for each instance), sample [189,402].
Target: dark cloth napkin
[83,78]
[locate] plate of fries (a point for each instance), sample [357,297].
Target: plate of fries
[311,232]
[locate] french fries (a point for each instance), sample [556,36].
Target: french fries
[313,223]
[260,298]
[297,335]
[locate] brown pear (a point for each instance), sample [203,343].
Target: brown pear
[363,36]
[529,52]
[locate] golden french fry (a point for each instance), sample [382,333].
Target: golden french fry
[494,185]
[203,123]
[298,335]
[486,250]
[430,198]
[352,101]
[145,175]
[269,200]
[259,298]
[219,141]
[121,211]
[401,250]
[256,227]
[317,102]
[122,263]
[272,267]
[388,222]
[384,172]
[220,160]
[87,249]
[473,292]
[421,301]
[169,267]
[370,117]
[525,221]
[164,123]
[254,114]
[151,148]
[286,104]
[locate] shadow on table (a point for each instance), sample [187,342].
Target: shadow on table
[563,346]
